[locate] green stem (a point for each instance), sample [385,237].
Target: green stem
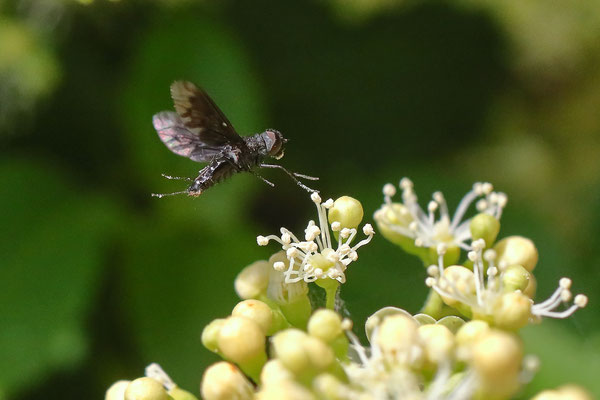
[330,296]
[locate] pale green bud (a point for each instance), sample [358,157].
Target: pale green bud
[486,227]
[146,389]
[377,318]
[303,355]
[471,331]
[274,372]
[328,387]
[117,390]
[531,287]
[287,390]
[178,393]
[242,341]
[512,311]
[223,381]
[256,311]
[497,359]
[516,250]
[210,335]
[515,277]
[347,211]
[325,324]
[253,280]
[398,339]
[438,343]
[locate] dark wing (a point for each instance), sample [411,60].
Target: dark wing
[202,117]
[180,140]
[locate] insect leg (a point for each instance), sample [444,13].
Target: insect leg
[291,175]
[263,179]
[178,178]
[161,195]
[310,178]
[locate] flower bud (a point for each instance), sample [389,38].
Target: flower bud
[378,316]
[256,311]
[438,343]
[461,279]
[210,335]
[497,358]
[146,389]
[243,341]
[512,311]
[223,381]
[397,338]
[470,332]
[178,393]
[303,355]
[274,372]
[531,287]
[347,211]
[574,392]
[326,325]
[328,387]
[117,390]
[253,280]
[515,277]
[287,390]
[486,227]
[517,250]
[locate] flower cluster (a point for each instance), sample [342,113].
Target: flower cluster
[464,344]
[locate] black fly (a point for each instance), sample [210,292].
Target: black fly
[201,132]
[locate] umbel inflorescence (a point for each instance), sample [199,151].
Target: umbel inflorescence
[464,343]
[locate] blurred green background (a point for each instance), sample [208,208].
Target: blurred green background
[98,279]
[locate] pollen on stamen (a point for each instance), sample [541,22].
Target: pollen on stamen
[489,255]
[336,226]
[368,230]
[565,296]
[279,266]
[481,205]
[286,238]
[346,324]
[406,183]
[487,188]
[565,283]
[315,197]
[344,233]
[441,249]
[389,190]
[472,255]
[432,206]
[430,282]
[261,240]
[291,252]
[433,270]
[581,300]
[328,204]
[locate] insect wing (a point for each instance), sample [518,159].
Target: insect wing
[202,116]
[179,139]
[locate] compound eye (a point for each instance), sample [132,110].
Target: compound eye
[276,144]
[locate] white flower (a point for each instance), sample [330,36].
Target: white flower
[434,226]
[317,257]
[485,292]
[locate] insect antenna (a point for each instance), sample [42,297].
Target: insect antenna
[263,179]
[177,178]
[161,195]
[293,176]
